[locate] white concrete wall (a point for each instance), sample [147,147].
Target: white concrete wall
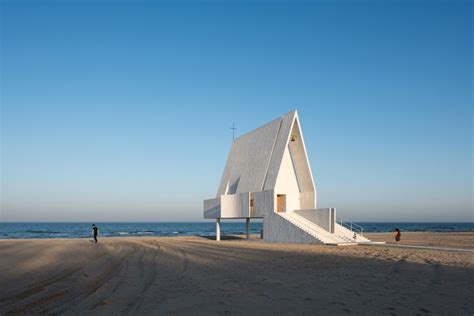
[323,217]
[263,203]
[235,205]
[244,204]
[307,200]
[287,183]
[277,229]
[212,208]
[301,162]
[238,205]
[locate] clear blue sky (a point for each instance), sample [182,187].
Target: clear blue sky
[121,110]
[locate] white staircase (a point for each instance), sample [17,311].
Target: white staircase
[349,234]
[339,237]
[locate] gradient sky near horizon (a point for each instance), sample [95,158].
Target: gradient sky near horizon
[120,111]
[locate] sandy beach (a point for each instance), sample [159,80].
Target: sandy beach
[450,240]
[194,275]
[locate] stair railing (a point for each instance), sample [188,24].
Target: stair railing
[353,227]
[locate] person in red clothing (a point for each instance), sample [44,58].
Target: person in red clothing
[397,235]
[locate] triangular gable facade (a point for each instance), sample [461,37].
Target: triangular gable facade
[290,143]
[272,157]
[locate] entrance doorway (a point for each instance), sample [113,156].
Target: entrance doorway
[281,202]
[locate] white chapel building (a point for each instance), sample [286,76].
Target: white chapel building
[267,175]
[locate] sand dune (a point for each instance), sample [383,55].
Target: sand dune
[193,275]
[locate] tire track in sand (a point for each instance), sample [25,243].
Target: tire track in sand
[61,294]
[148,272]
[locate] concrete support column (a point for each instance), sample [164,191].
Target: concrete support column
[247,228]
[218,229]
[333,220]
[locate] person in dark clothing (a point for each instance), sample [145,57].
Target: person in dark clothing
[398,235]
[95,232]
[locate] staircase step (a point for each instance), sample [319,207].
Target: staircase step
[313,229]
[343,244]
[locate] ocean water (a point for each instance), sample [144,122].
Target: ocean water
[83,230]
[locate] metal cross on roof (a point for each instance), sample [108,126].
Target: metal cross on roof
[233,128]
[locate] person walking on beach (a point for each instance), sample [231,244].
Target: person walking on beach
[397,235]
[95,232]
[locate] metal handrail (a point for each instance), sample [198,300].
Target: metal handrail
[352,226]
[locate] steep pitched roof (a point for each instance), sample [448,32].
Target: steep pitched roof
[255,158]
